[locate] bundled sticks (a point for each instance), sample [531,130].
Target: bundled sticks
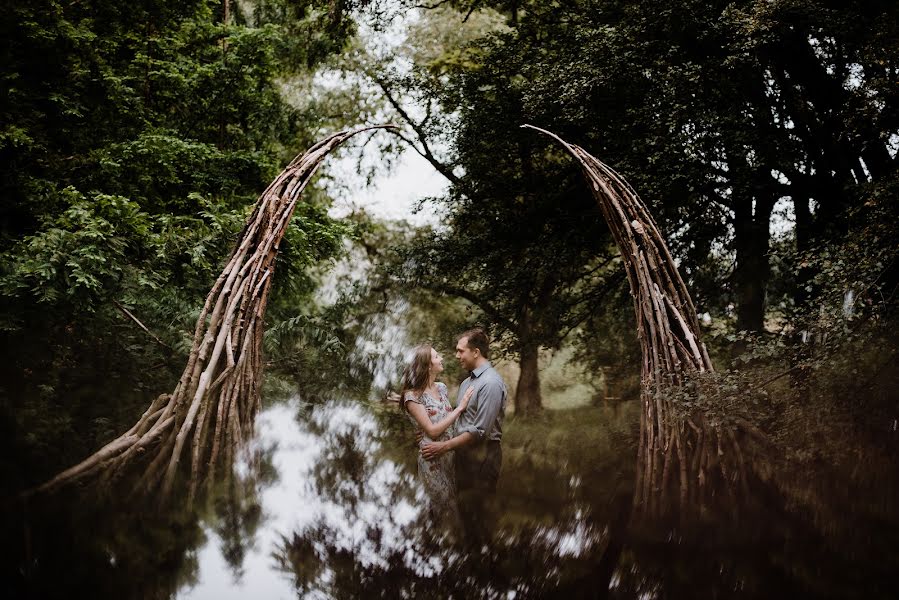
[668,330]
[211,412]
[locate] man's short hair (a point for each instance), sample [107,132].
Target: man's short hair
[477,339]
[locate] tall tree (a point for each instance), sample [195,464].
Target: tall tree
[717,111]
[506,243]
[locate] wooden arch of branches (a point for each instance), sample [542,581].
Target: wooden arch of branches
[210,413]
[671,441]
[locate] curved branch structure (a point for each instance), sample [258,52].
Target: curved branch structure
[669,335]
[211,412]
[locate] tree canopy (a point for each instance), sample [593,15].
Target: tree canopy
[730,119]
[135,138]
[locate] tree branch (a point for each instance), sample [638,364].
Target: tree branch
[459,292]
[431,6]
[474,7]
[128,314]
[609,284]
[425,151]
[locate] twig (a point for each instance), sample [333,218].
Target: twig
[430,6]
[752,388]
[128,314]
[474,7]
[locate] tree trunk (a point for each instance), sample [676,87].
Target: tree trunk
[799,376]
[752,239]
[528,399]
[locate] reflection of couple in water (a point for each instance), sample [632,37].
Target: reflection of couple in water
[460,455]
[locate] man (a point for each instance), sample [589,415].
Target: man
[479,454]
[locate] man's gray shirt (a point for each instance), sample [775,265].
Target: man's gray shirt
[483,417]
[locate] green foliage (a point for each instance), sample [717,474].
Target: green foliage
[80,254]
[507,244]
[714,111]
[103,247]
[827,381]
[135,140]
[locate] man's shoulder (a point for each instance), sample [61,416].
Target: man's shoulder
[492,376]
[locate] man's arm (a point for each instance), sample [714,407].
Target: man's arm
[490,402]
[435,449]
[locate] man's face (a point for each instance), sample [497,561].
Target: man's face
[466,356]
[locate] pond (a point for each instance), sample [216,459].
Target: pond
[326,505]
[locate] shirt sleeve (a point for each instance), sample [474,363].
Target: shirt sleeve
[490,401]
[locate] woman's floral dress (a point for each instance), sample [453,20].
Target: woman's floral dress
[438,476]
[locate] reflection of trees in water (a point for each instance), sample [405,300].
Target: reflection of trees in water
[778,527]
[818,512]
[238,509]
[106,546]
[99,549]
[843,518]
[366,506]
[794,528]
[371,540]
[532,562]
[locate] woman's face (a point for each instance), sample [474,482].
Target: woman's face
[436,362]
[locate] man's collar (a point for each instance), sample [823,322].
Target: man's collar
[477,372]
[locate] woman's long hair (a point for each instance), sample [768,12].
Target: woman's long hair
[417,373]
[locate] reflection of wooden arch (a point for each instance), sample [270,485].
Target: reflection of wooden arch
[213,407]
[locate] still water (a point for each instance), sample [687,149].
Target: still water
[326,505]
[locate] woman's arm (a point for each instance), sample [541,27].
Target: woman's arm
[434,430]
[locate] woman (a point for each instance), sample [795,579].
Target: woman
[426,401]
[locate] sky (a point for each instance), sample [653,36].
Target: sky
[392,193]
[398,185]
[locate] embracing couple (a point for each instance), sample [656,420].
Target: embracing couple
[461,455]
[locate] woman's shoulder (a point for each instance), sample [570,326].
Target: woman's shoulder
[441,386]
[411,396]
